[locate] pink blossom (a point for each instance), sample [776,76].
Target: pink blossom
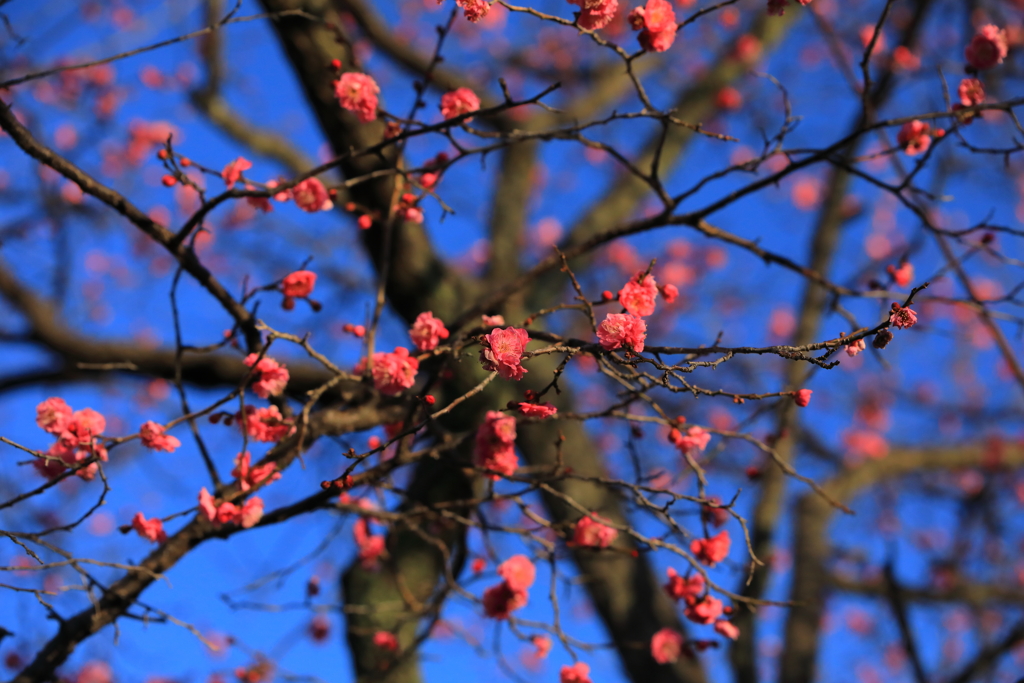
[541,410]
[94,672]
[503,351]
[250,477]
[577,673]
[392,372]
[83,426]
[53,415]
[803,397]
[495,445]
[543,645]
[666,646]
[492,320]
[902,317]
[669,292]
[695,439]
[855,348]
[270,378]
[518,572]
[264,424]
[371,546]
[311,196]
[474,10]
[153,436]
[711,551]
[595,14]
[593,533]
[914,137]
[866,444]
[233,170]
[385,640]
[903,275]
[298,284]
[149,529]
[971,92]
[458,102]
[680,588]
[727,629]
[427,331]
[357,93]
[622,329]
[657,41]
[501,600]
[638,296]
[226,513]
[987,48]
[206,505]
[706,611]
[251,513]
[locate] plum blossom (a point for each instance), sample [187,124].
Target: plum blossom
[311,196]
[681,588]
[914,137]
[246,516]
[706,611]
[593,533]
[695,439]
[971,92]
[577,673]
[902,317]
[542,645]
[666,646]
[501,600]
[987,48]
[149,529]
[638,296]
[233,170]
[357,93]
[511,594]
[711,551]
[458,102]
[492,320]
[669,292]
[802,397]
[77,441]
[270,378]
[386,640]
[619,330]
[427,331]
[657,20]
[855,348]
[153,436]
[495,445]
[371,546]
[474,10]
[299,284]
[503,352]
[250,477]
[392,372]
[264,424]
[727,629]
[518,571]
[595,14]
[53,415]
[903,275]
[541,410]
